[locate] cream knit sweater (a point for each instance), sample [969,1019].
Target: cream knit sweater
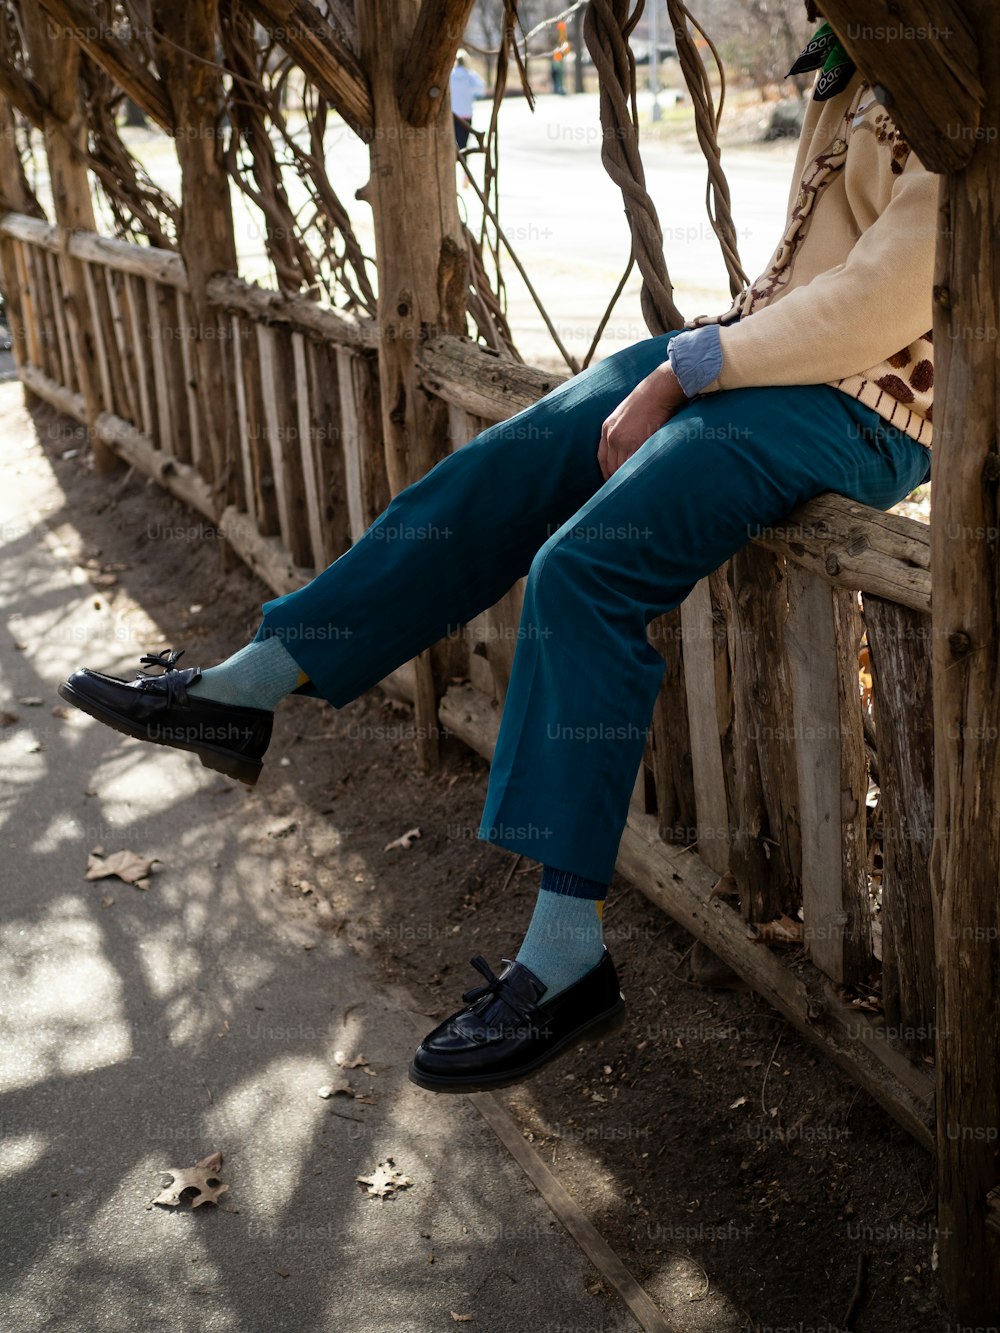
[846,299]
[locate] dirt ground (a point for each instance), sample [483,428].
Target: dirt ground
[707,1107]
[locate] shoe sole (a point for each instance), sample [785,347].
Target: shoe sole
[598,1027]
[220,761]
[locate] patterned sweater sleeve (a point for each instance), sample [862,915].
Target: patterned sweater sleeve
[856,314]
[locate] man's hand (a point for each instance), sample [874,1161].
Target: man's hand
[649,406]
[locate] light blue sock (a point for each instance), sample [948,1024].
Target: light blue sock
[566,937]
[258,676]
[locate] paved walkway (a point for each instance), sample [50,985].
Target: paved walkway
[204,1014]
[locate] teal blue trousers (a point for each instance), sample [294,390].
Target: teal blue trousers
[602,559]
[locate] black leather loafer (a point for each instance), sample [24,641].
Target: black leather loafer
[225,737]
[505,1033]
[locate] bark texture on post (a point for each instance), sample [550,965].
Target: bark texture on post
[921,57]
[55,62]
[16,196]
[422,271]
[965,571]
[186,59]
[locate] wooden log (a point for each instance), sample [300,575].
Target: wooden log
[133,293]
[185,40]
[164,267]
[299,312]
[159,331]
[899,641]
[423,278]
[766,855]
[98,323]
[681,883]
[16,194]
[822,636]
[427,66]
[38,287]
[139,451]
[923,59]
[264,555]
[478,379]
[192,415]
[55,57]
[327,434]
[277,378]
[22,92]
[671,746]
[29,307]
[57,306]
[322,53]
[708,771]
[75,327]
[249,490]
[722,648]
[265,504]
[13,303]
[492,637]
[119,310]
[64,400]
[307,454]
[176,391]
[965,534]
[32,231]
[361,433]
[855,546]
[80,22]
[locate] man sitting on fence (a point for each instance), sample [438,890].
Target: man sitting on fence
[614,494]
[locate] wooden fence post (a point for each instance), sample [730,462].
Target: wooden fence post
[15,196]
[965,580]
[55,62]
[422,267]
[186,58]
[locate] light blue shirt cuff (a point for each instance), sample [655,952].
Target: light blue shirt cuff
[696,358]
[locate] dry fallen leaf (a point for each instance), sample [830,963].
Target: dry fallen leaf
[740,1101]
[461,1318]
[356,1062]
[385,1180]
[129,866]
[65,713]
[7,719]
[405,840]
[31,701]
[202,1177]
[332,1089]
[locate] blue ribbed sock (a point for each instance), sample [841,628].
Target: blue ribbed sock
[258,676]
[565,938]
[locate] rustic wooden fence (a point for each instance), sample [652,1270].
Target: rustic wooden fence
[761,747]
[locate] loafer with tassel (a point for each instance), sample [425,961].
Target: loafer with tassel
[226,737]
[507,1031]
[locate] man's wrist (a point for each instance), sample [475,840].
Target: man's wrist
[669,384]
